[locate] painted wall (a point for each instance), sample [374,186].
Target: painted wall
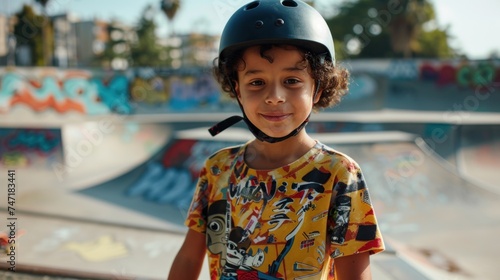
[381,84]
[95,92]
[30,147]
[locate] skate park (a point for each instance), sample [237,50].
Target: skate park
[105,164]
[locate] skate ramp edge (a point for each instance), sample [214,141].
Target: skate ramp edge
[420,142]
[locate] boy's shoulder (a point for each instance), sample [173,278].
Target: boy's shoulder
[338,155]
[225,153]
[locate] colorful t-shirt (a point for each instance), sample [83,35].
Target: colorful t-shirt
[286,223]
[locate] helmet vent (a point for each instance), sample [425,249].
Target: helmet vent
[252,5]
[289,3]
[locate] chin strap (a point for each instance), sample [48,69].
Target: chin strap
[221,126]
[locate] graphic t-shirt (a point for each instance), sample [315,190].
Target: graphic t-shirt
[286,223]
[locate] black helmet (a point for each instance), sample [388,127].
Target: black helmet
[277,22]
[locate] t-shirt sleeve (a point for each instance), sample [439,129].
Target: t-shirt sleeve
[197,214]
[352,225]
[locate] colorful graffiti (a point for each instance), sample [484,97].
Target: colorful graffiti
[464,74]
[18,147]
[148,90]
[72,92]
[113,92]
[95,93]
[172,179]
[176,92]
[104,248]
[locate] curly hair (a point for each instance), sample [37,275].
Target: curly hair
[333,80]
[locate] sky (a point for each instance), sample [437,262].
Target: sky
[474,25]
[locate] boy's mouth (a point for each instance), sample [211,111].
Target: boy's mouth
[275,117]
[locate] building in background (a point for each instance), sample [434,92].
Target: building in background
[92,38]
[65,41]
[7,40]
[190,50]
[103,44]
[199,49]
[117,50]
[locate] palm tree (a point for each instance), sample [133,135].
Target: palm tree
[380,27]
[170,7]
[405,26]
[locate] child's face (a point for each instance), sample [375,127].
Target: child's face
[276,96]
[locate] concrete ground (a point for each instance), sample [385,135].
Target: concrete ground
[60,248]
[436,224]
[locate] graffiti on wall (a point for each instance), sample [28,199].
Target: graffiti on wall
[464,74]
[148,90]
[22,147]
[61,91]
[175,92]
[460,73]
[172,179]
[93,92]
[448,86]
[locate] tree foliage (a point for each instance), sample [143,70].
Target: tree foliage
[383,29]
[28,33]
[45,44]
[434,43]
[145,51]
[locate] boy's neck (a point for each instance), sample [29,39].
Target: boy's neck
[263,155]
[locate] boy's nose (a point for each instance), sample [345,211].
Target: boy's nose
[275,95]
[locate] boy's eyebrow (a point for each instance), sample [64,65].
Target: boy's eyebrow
[287,69]
[294,69]
[251,72]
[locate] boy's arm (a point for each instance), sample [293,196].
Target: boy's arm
[189,260]
[356,267]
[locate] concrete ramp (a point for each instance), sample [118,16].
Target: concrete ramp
[478,155]
[437,225]
[433,217]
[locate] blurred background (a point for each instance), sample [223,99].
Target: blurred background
[105,105]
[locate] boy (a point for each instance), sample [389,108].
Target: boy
[282,206]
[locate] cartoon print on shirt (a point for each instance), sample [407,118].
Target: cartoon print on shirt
[239,262]
[236,251]
[341,214]
[254,260]
[216,229]
[342,209]
[308,192]
[251,190]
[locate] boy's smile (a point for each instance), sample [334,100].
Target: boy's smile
[276,91]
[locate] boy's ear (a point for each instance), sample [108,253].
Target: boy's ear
[317,96]
[237,89]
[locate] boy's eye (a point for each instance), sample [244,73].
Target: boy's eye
[256,83]
[291,81]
